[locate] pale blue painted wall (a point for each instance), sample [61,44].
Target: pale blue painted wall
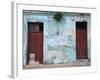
[53,41]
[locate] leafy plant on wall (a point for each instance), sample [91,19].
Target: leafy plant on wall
[57,17]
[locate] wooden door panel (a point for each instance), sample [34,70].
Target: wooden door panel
[35,45]
[81,41]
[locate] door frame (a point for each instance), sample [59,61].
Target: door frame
[27,39]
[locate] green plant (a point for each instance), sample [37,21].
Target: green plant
[58,16]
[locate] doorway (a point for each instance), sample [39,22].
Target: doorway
[81,40]
[35,40]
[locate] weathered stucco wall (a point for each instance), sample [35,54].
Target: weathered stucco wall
[57,48]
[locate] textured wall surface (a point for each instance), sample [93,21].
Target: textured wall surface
[57,48]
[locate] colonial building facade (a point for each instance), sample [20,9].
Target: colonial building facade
[51,38]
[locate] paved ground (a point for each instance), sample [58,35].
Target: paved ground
[75,64]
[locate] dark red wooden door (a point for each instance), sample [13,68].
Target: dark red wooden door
[81,40]
[35,41]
